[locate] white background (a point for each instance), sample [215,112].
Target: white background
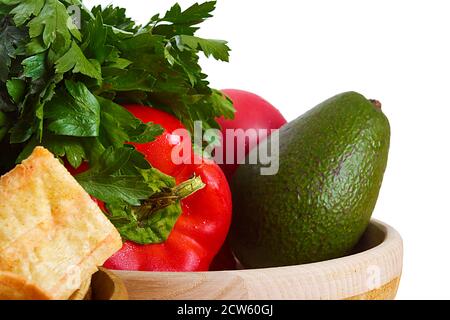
[299,53]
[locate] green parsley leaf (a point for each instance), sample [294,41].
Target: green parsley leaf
[216,48]
[34,66]
[22,130]
[106,182]
[195,14]
[76,60]
[155,229]
[45,96]
[53,24]
[11,38]
[177,22]
[94,42]
[69,147]
[26,9]
[119,126]
[16,89]
[115,16]
[75,113]
[134,79]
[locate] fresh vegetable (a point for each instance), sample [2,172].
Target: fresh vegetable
[61,86]
[202,227]
[252,112]
[332,162]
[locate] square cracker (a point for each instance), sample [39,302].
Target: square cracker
[53,236]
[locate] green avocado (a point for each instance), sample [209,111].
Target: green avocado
[331,166]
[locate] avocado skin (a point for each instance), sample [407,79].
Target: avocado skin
[332,162]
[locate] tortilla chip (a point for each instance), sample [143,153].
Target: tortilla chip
[53,236]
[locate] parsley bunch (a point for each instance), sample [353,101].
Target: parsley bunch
[61,86]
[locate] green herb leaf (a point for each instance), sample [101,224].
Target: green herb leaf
[76,61]
[25,10]
[177,22]
[34,66]
[156,229]
[75,113]
[216,48]
[94,43]
[22,131]
[135,79]
[16,89]
[53,23]
[195,14]
[107,182]
[119,126]
[69,147]
[115,16]
[11,38]
[44,97]
[35,46]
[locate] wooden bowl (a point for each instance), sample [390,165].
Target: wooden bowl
[104,285]
[372,272]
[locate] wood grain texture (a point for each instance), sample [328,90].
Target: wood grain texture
[372,272]
[107,286]
[385,292]
[104,285]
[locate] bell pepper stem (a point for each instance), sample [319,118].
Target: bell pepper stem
[189,187]
[167,198]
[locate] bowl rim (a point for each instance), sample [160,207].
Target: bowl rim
[373,273]
[392,241]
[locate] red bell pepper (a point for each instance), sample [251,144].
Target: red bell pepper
[206,215]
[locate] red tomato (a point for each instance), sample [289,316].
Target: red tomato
[252,112]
